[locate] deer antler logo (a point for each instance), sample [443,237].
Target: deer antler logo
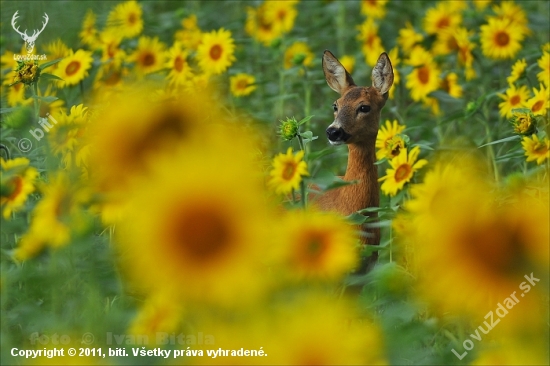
[29,40]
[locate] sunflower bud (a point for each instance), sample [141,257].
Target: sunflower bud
[288,129]
[523,121]
[26,72]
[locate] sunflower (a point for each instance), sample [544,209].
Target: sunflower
[513,98]
[193,232]
[74,68]
[89,34]
[180,71]
[500,39]
[281,14]
[440,17]
[190,36]
[523,122]
[242,84]
[109,79]
[449,85]
[298,53]
[131,132]
[481,4]
[461,235]
[300,339]
[424,78]
[55,217]
[148,56]
[385,135]
[8,61]
[126,19]
[17,183]
[216,52]
[408,38]
[288,129]
[403,168]
[16,92]
[68,128]
[461,36]
[261,28]
[544,64]
[287,172]
[539,102]
[517,69]
[159,313]
[348,62]
[54,50]
[536,149]
[375,9]
[513,14]
[319,245]
[371,43]
[109,43]
[26,72]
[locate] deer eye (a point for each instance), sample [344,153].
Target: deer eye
[364,108]
[335,107]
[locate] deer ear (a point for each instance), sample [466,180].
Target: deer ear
[336,75]
[382,74]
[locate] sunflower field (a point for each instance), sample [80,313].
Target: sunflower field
[161,161]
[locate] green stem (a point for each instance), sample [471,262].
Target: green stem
[307,98]
[303,196]
[491,152]
[340,27]
[391,244]
[36,101]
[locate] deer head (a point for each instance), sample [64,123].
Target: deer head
[29,40]
[357,111]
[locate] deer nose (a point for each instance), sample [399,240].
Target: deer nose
[335,133]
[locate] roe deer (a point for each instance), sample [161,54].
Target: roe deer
[356,120]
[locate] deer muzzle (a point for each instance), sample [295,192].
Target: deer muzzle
[337,135]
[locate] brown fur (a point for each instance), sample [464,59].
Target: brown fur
[362,128]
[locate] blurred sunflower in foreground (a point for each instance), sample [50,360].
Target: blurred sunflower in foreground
[319,246]
[16,184]
[309,329]
[463,233]
[196,239]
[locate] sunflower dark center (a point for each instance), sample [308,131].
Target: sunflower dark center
[216,52]
[537,106]
[402,172]
[242,84]
[515,99]
[16,186]
[72,68]
[202,233]
[424,74]
[443,23]
[178,64]
[148,59]
[502,39]
[315,246]
[289,171]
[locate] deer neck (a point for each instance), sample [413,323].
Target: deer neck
[361,168]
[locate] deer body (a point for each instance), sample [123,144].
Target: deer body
[356,121]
